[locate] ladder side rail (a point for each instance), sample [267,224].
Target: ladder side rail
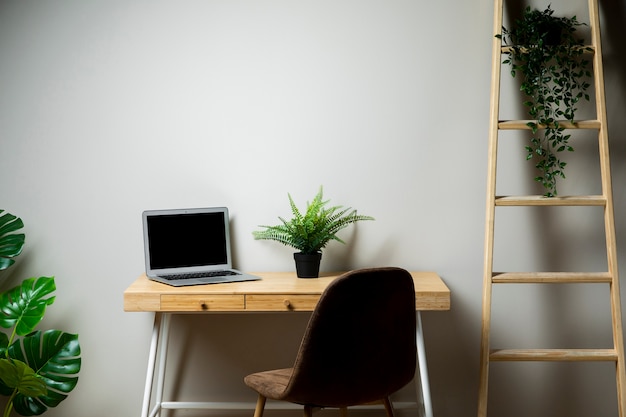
[496,67]
[609,219]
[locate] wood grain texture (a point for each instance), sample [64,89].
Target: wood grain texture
[276,291]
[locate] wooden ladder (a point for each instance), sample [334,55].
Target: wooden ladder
[605,200]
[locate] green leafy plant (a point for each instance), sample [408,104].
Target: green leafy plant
[11,243]
[548,55]
[311,231]
[37,369]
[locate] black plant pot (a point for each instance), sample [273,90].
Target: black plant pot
[308,265]
[552,33]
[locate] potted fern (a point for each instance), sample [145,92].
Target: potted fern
[37,369]
[549,56]
[310,231]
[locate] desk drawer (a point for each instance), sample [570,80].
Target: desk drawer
[199,302]
[281,302]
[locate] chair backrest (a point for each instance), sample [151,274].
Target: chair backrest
[360,343]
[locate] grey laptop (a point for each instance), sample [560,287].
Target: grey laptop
[189,247]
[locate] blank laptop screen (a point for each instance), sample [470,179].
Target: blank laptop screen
[187,240]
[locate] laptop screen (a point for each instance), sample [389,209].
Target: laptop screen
[187,239]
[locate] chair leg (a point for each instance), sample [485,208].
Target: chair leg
[343,412]
[308,411]
[260,406]
[388,406]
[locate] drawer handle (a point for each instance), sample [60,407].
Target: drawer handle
[287,304]
[204,305]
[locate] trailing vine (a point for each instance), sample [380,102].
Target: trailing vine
[549,56]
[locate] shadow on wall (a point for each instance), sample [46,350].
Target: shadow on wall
[613,13]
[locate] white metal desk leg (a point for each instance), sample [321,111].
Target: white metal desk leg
[158,348]
[163,342]
[424,386]
[154,344]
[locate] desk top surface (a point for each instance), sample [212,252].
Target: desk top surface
[276,291]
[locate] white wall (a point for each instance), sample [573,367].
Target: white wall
[110,108]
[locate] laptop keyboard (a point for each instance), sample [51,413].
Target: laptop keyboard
[200,275]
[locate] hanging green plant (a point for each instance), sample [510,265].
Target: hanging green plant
[549,56]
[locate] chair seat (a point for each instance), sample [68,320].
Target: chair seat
[273,384]
[270,384]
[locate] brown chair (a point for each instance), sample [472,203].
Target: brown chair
[359,346]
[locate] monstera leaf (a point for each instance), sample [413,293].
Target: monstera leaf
[19,376]
[40,369]
[11,244]
[24,306]
[54,356]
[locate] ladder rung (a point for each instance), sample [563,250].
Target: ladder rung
[554,355]
[523,124]
[585,48]
[537,200]
[551,277]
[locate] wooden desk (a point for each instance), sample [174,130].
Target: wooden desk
[277,291]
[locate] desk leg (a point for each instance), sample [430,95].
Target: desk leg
[160,334]
[154,342]
[163,343]
[424,386]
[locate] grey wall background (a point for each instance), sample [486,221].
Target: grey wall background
[111,108]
